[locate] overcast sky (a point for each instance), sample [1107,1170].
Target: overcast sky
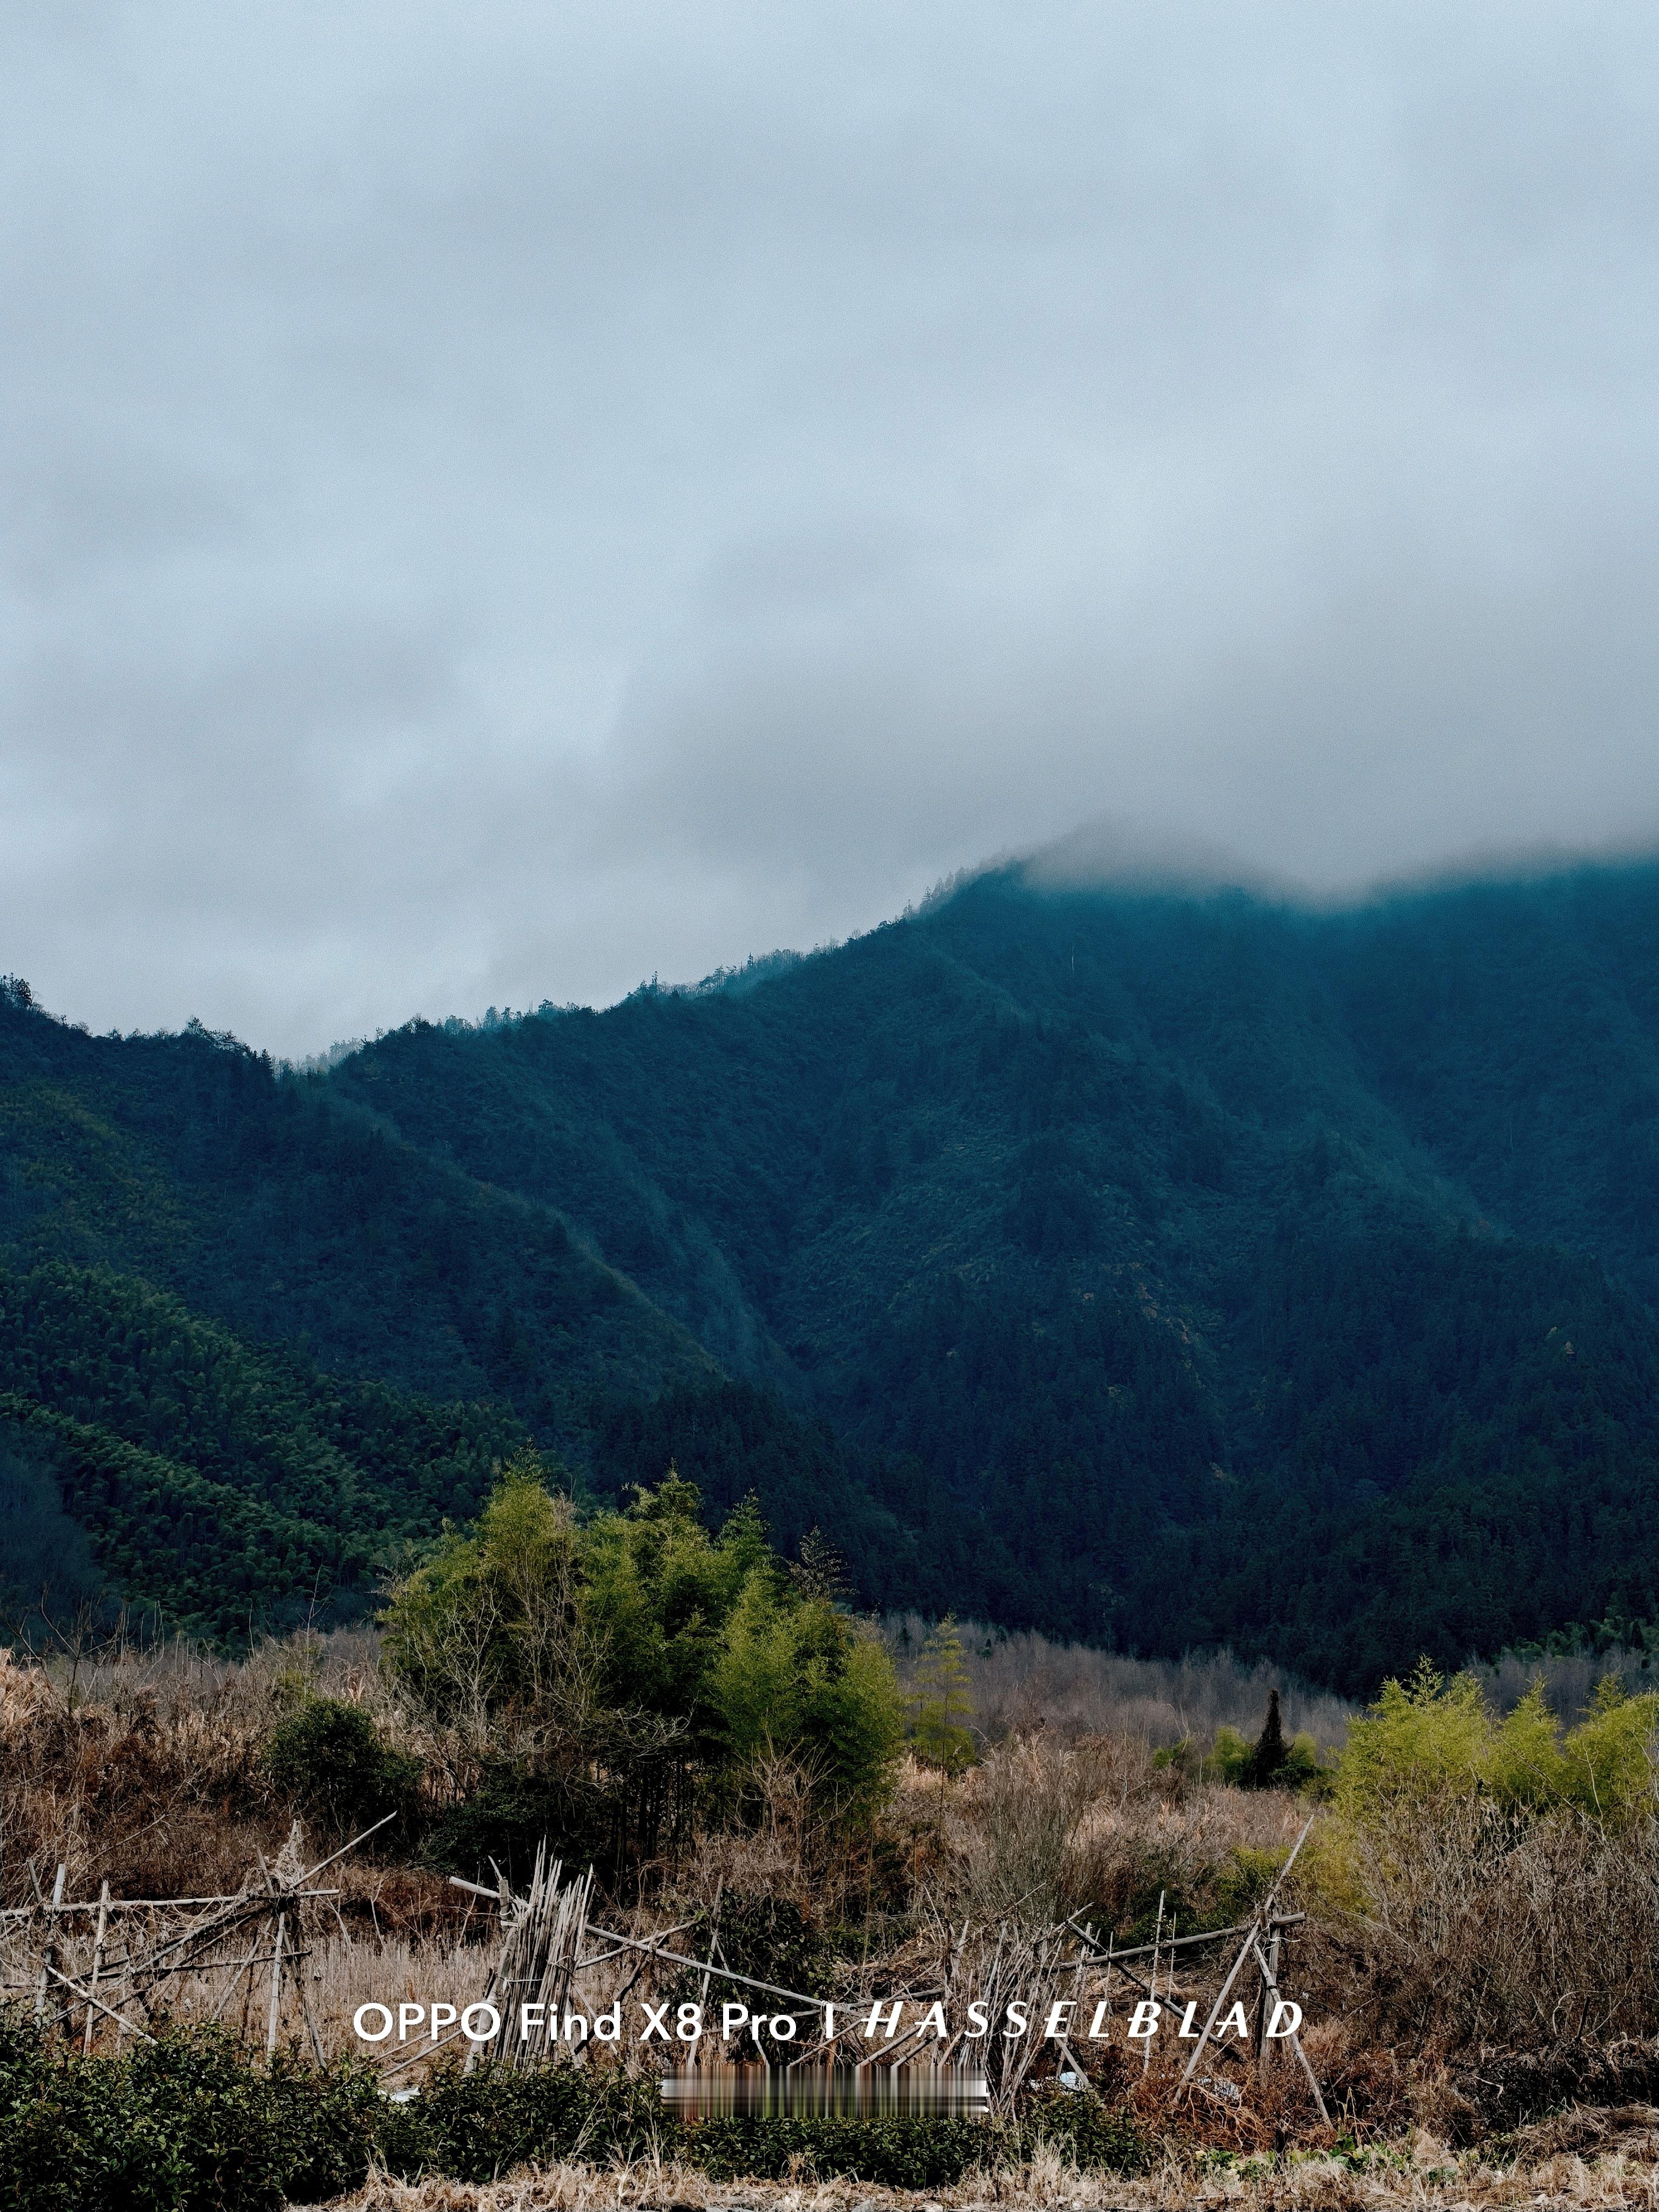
[499,500]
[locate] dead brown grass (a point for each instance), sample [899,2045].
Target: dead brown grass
[141,1767]
[1485,1927]
[1021,1682]
[1581,2158]
[147,1786]
[1461,1940]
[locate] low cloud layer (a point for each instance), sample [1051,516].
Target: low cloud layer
[501,502]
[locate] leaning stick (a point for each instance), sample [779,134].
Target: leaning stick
[1249,1945]
[386,2072]
[713,1939]
[1216,2010]
[655,1952]
[311,2025]
[49,1953]
[1283,1875]
[237,1972]
[58,1975]
[1296,2040]
[1158,1938]
[311,1872]
[1081,2071]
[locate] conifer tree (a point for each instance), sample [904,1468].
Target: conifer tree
[1268,1754]
[940,1732]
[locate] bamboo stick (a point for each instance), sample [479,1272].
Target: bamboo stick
[59,1976]
[1215,2010]
[714,1937]
[276,1987]
[97,1962]
[1296,2041]
[1183,1943]
[311,1873]
[49,1949]
[1271,1968]
[1146,2053]
[146,1904]
[229,1989]
[678,1959]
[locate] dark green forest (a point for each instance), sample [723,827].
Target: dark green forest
[1166,1270]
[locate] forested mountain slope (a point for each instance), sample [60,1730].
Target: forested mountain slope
[252,1342]
[1513,1030]
[1173,1269]
[286,1214]
[230,1489]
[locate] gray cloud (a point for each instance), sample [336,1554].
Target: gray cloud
[499,501]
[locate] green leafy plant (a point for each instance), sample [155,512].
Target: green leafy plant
[327,1760]
[941,1704]
[1431,1738]
[182,2125]
[595,1665]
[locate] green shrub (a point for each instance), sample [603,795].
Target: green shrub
[181,2125]
[53,2143]
[326,2123]
[1230,1757]
[1301,1763]
[1431,1738]
[473,2127]
[896,2151]
[187,2124]
[769,1938]
[328,1760]
[1105,2136]
[903,2151]
[1243,1879]
[509,1814]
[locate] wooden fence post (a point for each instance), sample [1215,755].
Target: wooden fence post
[49,1954]
[276,1987]
[97,1961]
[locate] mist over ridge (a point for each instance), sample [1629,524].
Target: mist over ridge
[1115,858]
[1114,855]
[531,501]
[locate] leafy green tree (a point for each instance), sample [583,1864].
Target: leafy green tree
[942,1706]
[489,1633]
[804,1679]
[600,1648]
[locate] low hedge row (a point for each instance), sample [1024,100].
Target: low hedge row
[181,2125]
[187,2125]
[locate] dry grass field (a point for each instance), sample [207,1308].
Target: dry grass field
[1579,2158]
[1468,1960]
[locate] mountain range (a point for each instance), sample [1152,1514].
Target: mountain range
[1167,1267]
